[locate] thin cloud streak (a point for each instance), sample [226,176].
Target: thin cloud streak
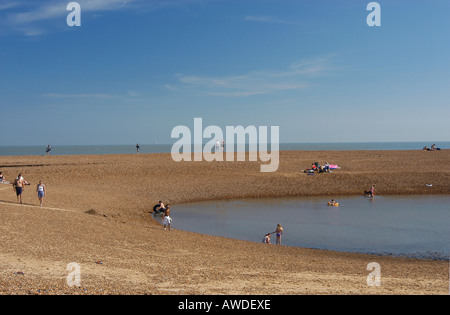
[7,6]
[80,96]
[268,19]
[35,14]
[295,77]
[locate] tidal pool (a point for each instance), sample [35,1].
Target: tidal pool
[412,226]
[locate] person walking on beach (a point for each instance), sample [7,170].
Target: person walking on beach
[279,232]
[40,189]
[167,220]
[18,186]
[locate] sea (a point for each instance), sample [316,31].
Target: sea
[166,148]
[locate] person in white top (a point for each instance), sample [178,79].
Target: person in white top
[40,189]
[217,145]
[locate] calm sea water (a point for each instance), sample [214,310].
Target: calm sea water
[166,148]
[412,226]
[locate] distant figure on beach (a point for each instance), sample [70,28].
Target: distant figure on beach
[217,146]
[266,239]
[137,148]
[18,187]
[40,189]
[2,178]
[279,232]
[49,148]
[167,220]
[223,145]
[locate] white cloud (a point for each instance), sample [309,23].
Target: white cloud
[9,5]
[34,14]
[53,9]
[98,96]
[295,77]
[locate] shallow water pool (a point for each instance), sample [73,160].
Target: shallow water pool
[412,226]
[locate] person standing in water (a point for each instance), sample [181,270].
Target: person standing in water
[40,189]
[372,191]
[279,232]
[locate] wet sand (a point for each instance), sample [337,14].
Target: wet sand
[98,209]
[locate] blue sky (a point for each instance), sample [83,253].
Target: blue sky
[134,70]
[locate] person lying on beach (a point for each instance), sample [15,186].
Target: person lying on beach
[433,148]
[2,178]
[266,239]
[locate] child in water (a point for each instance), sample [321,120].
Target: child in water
[279,232]
[266,239]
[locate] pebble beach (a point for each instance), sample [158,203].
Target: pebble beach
[97,213]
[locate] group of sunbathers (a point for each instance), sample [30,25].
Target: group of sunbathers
[433,148]
[316,167]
